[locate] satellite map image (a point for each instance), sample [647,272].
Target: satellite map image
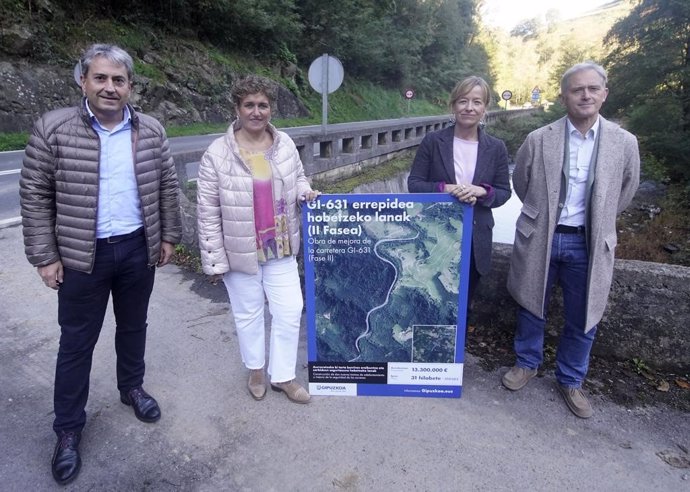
[386,281]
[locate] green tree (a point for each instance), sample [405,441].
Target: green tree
[428,45]
[527,29]
[649,69]
[571,54]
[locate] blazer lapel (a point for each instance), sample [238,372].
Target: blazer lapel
[553,151]
[446,150]
[609,148]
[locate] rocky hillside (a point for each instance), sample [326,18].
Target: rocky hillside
[179,83]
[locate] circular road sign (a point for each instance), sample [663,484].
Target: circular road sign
[506,95]
[334,73]
[409,94]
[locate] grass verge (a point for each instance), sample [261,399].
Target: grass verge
[382,172]
[13,141]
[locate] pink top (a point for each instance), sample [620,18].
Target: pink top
[270,217]
[465,160]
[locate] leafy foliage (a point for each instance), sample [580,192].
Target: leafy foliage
[13,141]
[514,131]
[424,45]
[649,67]
[536,53]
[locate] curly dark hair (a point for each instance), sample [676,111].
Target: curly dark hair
[253,84]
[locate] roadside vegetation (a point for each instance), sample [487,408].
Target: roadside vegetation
[354,101]
[381,172]
[13,141]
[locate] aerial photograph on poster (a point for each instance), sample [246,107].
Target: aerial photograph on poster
[386,277]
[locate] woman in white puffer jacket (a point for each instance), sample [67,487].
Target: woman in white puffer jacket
[250,183]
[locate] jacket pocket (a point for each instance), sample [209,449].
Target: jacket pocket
[529,211]
[611,242]
[526,220]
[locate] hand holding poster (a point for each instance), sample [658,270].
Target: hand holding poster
[386,289]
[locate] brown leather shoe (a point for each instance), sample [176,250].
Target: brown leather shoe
[257,383]
[577,401]
[517,377]
[293,391]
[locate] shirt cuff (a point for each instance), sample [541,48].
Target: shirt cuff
[440,187]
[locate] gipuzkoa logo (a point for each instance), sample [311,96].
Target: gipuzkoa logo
[321,387]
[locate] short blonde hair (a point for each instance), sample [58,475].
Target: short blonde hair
[466,85]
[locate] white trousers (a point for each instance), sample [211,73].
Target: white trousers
[279,281]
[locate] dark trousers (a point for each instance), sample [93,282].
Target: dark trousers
[121,269]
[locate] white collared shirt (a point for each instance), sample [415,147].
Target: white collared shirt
[119,206]
[580,150]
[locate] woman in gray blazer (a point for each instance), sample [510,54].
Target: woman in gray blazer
[466,162]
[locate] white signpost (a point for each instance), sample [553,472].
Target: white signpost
[325,76]
[506,95]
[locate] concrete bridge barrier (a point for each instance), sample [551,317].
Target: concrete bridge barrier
[647,317]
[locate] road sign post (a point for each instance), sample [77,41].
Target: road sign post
[325,76]
[506,95]
[536,95]
[409,95]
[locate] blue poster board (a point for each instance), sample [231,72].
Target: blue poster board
[386,281]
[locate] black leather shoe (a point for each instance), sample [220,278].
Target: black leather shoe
[145,406]
[66,461]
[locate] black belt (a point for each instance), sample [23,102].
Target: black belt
[122,237]
[566,229]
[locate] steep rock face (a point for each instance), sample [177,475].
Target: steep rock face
[179,87]
[27,91]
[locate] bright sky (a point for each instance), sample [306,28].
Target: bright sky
[507,13]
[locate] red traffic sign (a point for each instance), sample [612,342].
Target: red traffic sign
[409,94]
[506,95]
